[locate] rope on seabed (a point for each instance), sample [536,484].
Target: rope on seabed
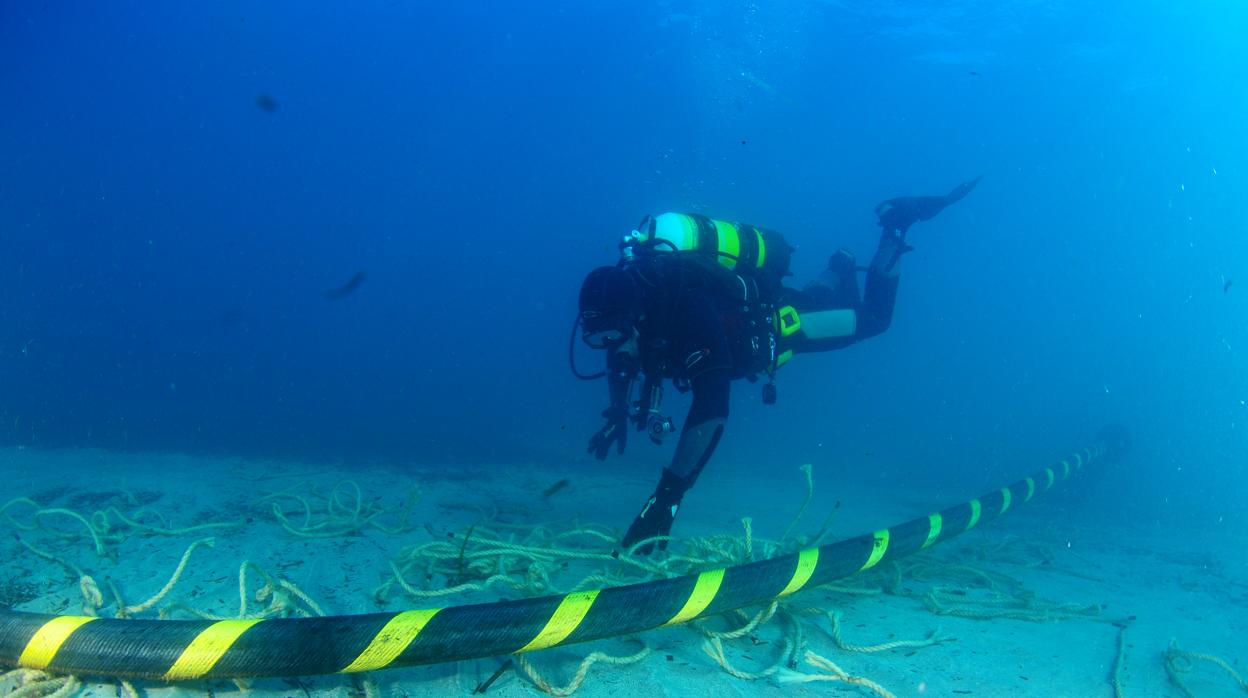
[832,672]
[29,683]
[1179,662]
[495,556]
[834,618]
[1120,660]
[543,684]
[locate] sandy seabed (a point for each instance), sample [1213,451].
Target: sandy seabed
[1041,602]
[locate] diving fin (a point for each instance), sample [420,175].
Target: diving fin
[897,215]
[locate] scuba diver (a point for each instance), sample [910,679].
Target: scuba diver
[701,302]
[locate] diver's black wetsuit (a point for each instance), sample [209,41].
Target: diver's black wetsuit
[701,338]
[705,341]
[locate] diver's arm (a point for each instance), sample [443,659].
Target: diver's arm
[621,369]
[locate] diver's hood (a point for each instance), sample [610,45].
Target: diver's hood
[609,297]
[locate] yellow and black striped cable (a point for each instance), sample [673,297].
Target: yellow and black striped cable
[176,650]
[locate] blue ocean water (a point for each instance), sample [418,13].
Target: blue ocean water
[183,183]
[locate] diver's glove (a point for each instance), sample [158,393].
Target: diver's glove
[614,431]
[657,514]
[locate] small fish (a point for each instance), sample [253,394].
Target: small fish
[346,289]
[767,87]
[266,103]
[1226,285]
[558,486]
[975,73]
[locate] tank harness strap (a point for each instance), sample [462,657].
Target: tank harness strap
[787,323]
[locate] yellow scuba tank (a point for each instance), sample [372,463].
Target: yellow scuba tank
[739,247]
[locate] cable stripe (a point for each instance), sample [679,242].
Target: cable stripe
[934,524]
[1031,489]
[878,547]
[42,648]
[1048,472]
[976,508]
[563,621]
[392,640]
[1005,500]
[807,560]
[704,591]
[207,649]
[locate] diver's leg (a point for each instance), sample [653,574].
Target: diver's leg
[836,328]
[835,287]
[703,429]
[883,277]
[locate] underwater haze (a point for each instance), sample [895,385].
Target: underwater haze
[356,232]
